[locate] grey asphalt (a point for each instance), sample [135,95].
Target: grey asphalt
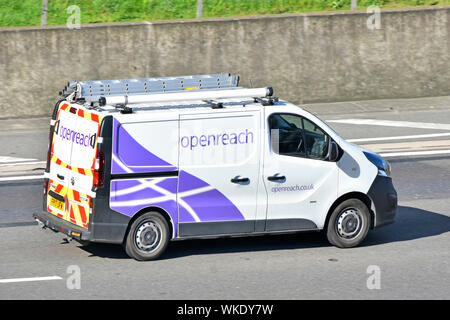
[24,138]
[412,254]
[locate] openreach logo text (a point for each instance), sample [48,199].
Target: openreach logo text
[83,139]
[217,139]
[292,188]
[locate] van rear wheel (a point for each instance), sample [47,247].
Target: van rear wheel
[348,224]
[148,237]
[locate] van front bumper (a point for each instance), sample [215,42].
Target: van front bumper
[384,199]
[48,220]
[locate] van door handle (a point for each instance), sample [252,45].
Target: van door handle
[60,176]
[276,178]
[240,180]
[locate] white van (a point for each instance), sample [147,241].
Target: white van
[143,161]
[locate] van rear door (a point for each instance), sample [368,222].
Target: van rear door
[83,162]
[60,154]
[74,160]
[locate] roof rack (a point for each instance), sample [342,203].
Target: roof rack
[91,91]
[195,95]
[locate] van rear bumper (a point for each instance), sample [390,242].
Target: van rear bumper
[384,199]
[48,220]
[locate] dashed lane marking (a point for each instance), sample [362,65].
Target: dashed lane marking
[6,159]
[35,177]
[417,136]
[414,153]
[30,279]
[391,123]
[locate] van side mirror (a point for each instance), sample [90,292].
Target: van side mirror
[333,153]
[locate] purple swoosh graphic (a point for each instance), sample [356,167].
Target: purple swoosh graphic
[133,154]
[170,206]
[135,195]
[208,204]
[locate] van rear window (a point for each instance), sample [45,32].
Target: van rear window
[62,143]
[84,141]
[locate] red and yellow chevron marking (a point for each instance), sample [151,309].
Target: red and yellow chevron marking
[59,189]
[86,172]
[77,205]
[65,106]
[89,115]
[79,209]
[82,113]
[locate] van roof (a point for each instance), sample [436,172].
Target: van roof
[166,94]
[194,106]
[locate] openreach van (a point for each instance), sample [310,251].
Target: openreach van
[140,162]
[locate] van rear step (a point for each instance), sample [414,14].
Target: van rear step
[47,220]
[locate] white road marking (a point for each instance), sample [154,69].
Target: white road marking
[414,153]
[22,178]
[5,159]
[390,123]
[417,136]
[408,146]
[30,279]
[21,163]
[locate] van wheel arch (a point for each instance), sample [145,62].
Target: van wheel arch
[146,210]
[352,195]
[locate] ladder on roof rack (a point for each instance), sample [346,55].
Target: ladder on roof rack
[194,95]
[91,91]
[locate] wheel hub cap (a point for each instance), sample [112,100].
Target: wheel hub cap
[349,224]
[148,236]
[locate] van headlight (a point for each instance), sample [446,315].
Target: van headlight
[384,168]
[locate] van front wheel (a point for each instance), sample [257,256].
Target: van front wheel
[348,224]
[148,237]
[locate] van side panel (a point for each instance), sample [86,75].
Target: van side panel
[106,225]
[135,145]
[145,172]
[219,172]
[139,178]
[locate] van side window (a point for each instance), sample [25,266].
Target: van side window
[316,140]
[293,135]
[286,133]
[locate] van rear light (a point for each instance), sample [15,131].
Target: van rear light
[49,152]
[99,171]
[53,129]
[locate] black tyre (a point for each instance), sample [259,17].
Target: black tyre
[148,237]
[348,224]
